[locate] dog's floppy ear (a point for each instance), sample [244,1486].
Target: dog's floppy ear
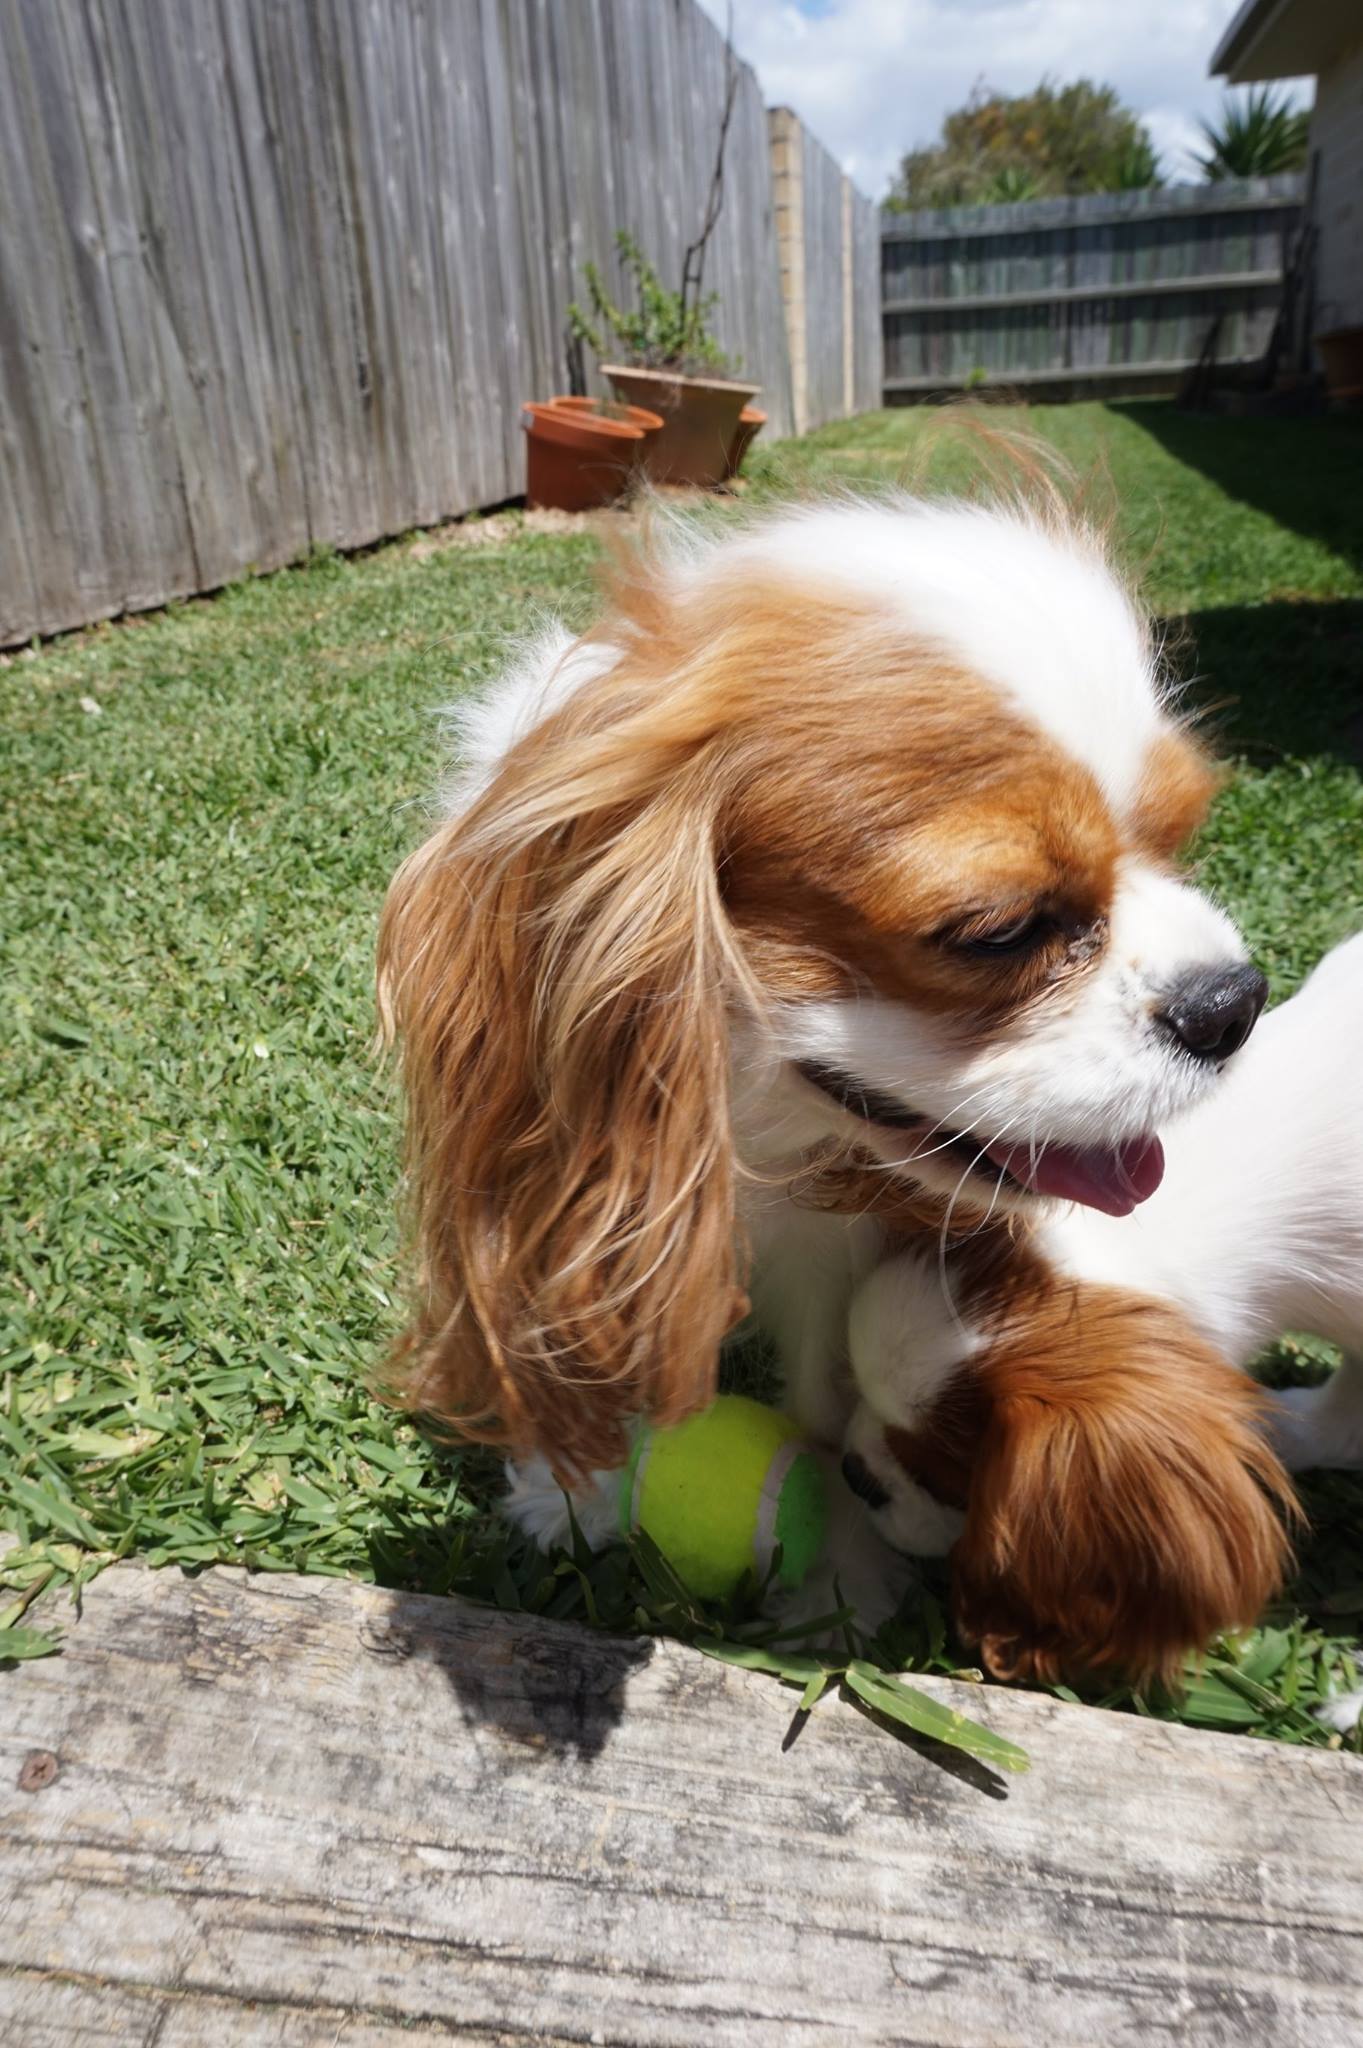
[1125,1506]
[556,966]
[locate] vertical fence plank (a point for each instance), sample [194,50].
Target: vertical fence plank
[868,360]
[135,485]
[258,223]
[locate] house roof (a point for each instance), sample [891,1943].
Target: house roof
[1284,39]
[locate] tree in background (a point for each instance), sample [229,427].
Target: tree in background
[1070,138]
[1255,136]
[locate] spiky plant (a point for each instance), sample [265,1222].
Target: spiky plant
[1255,136]
[1010,185]
[1136,166]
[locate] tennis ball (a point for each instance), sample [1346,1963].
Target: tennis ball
[718,1493]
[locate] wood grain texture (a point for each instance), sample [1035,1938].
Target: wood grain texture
[868,357]
[821,182]
[1059,290]
[274,275]
[304,1811]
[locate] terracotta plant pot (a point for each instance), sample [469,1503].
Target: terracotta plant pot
[611,409]
[750,424]
[577,458]
[1341,352]
[700,418]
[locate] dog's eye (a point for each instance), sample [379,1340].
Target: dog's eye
[1021,935]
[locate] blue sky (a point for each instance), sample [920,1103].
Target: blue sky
[873,78]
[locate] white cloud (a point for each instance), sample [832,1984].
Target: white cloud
[873,78]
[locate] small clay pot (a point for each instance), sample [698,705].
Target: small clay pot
[577,459]
[750,424]
[613,410]
[700,418]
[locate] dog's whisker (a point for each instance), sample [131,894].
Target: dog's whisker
[944,1234]
[957,1132]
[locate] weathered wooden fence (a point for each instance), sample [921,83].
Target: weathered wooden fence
[829,239]
[276,273]
[1110,291]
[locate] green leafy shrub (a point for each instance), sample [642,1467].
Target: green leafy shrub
[664,330]
[1000,148]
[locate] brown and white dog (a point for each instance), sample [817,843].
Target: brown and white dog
[833,870]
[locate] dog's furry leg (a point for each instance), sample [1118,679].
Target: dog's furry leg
[537,1504]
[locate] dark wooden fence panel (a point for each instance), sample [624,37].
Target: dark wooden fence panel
[1108,287]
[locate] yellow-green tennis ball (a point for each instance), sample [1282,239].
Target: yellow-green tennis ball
[722,1490]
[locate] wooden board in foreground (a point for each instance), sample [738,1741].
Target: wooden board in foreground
[298,1811]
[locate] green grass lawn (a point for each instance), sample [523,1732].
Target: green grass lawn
[200,813]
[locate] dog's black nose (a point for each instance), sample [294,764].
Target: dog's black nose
[1210,1014]
[863,1481]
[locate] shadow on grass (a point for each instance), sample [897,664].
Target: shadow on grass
[1277,679]
[1306,474]
[1329,1585]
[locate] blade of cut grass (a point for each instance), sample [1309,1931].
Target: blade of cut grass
[926,1716]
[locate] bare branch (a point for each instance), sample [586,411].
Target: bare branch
[693,262]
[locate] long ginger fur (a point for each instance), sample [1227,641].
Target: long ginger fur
[1123,1504]
[556,967]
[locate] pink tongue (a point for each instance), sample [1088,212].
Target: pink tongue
[1112,1181]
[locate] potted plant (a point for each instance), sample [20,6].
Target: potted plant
[670,363]
[583,452]
[751,421]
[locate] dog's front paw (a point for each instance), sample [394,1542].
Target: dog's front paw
[1342,1713]
[538,1506]
[907,1516]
